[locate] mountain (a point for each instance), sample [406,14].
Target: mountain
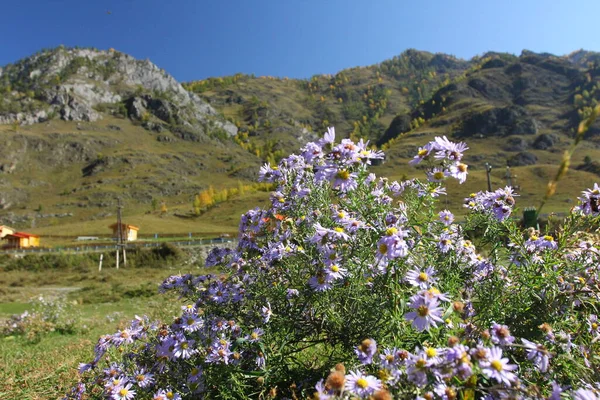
[81,127]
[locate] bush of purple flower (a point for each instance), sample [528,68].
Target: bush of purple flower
[354,286]
[46,315]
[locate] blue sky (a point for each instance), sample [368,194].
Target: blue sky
[195,39]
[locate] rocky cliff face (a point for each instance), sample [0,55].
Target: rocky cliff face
[84,84]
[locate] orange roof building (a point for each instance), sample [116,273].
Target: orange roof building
[129,231]
[6,230]
[21,240]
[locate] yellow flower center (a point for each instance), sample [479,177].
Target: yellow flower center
[434,291]
[195,371]
[534,238]
[438,175]
[339,229]
[223,342]
[422,153]
[254,335]
[391,231]
[549,238]
[341,215]
[389,358]
[383,248]
[497,365]
[139,378]
[170,395]
[423,311]
[190,321]
[594,325]
[184,345]
[383,375]
[462,167]
[421,363]
[123,392]
[423,277]
[431,352]
[343,174]
[335,268]
[362,383]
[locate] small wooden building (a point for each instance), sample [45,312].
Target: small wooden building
[130,232]
[21,240]
[6,230]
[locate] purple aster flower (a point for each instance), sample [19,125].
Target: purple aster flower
[322,393]
[445,392]
[255,335]
[547,242]
[426,314]
[85,367]
[585,394]
[266,312]
[319,283]
[195,375]
[116,382]
[593,325]
[362,385]
[497,367]
[392,245]
[344,181]
[422,279]
[143,379]
[328,137]
[445,243]
[423,153]
[537,354]
[311,152]
[459,172]
[417,368]
[191,322]
[446,217]
[389,358]
[260,360]
[501,335]
[449,150]
[556,391]
[123,337]
[184,348]
[589,202]
[269,174]
[123,393]
[292,293]
[335,272]
[168,394]
[437,174]
[366,350]
[219,352]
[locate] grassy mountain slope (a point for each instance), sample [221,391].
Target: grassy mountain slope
[84,127]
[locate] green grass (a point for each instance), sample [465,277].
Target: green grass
[48,369]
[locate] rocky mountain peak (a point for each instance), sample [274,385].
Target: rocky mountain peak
[82,84]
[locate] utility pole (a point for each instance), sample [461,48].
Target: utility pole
[120,239]
[508,176]
[488,169]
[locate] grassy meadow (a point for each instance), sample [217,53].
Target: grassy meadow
[102,301]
